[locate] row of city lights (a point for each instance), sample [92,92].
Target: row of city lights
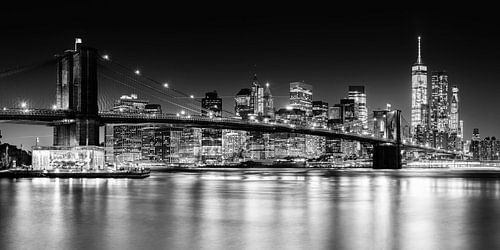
[138,72]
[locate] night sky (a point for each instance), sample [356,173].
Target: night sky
[201,48]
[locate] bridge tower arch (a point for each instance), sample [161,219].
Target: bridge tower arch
[77,92]
[388,155]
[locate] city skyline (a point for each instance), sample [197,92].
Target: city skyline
[328,72]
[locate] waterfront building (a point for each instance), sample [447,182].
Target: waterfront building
[123,142]
[233,145]
[76,158]
[357,93]
[211,146]
[242,106]
[211,105]
[419,95]
[333,147]
[190,146]
[289,145]
[259,146]
[315,146]
[160,143]
[301,97]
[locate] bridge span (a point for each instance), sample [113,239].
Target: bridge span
[51,117]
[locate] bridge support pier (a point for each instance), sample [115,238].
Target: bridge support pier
[387,156]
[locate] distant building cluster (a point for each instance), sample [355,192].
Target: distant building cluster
[435,116]
[487,149]
[189,145]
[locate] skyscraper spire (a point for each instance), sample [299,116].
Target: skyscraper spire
[419,58]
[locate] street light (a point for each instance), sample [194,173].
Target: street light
[192,96]
[137,72]
[24,105]
[54,107]
[105,57]
[165,85]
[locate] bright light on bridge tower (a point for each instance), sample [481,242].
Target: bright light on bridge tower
[78,41]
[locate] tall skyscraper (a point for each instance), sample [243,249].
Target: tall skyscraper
[357,93]
[475,144]
[439,102]
[211,105]
[418,94]
[461,129]
[320,113]
[454,111]
[242,103]
[301,96]
[268,102]
[257,97]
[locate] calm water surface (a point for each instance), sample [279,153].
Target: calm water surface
[289,209]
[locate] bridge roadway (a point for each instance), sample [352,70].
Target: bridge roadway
[52,117]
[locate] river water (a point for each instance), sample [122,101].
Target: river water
[255,209]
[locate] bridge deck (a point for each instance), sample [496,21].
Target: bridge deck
[52,117]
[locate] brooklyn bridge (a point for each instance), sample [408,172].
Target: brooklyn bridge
[77,115]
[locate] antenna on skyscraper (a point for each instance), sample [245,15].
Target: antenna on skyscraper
[419,58]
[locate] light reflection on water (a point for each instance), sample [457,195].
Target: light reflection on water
[289,209]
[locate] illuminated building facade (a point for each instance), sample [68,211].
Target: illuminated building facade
[439,102]
[211,146]
[268,103]
[190,145]
[233,145]
[160,144]
[130,104]
[320,113]
[475,144]
[357,93]
[257,98]
[419,95]
[242,106]
[301,95]
[259,146]
[455,124]
[454,111]
[124,142]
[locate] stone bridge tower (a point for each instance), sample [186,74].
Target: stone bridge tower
[77,92]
